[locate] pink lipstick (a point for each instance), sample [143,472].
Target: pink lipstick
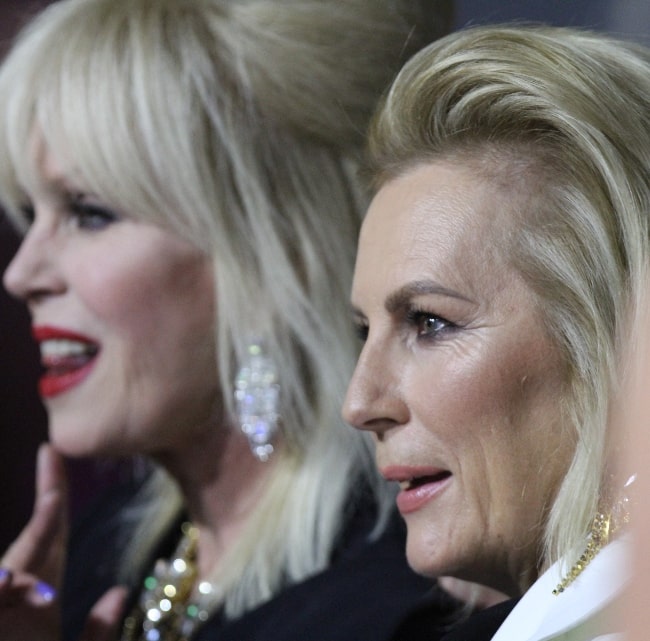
[68,358]
[418,485]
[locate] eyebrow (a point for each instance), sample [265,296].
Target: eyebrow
[402,297]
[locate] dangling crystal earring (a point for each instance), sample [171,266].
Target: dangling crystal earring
[257,395]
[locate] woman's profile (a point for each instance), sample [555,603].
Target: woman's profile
[504,250]
[185,174]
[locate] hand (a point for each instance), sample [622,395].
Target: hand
[31,571]
[104,621]
[41,547]
[32,567]
[29,611]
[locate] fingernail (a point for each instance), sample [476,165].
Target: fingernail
[45,591]
[4,573]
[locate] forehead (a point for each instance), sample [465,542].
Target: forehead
[48,164]
[49,171]
[439,217]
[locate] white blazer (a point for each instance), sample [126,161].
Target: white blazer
[581,612]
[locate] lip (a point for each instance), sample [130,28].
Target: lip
[432,482]
[47,332]
[66,370]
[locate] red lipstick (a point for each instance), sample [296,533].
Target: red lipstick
[68,358]
[418,485]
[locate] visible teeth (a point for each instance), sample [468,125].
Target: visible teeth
[404,485]
[61,347]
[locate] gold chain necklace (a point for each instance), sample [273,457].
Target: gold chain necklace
[171,606]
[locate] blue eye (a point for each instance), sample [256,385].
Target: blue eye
[428,325]
[92,217]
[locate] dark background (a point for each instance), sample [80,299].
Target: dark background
[22,418]
[625,18]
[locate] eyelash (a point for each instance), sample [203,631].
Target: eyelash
[91,217]
[84,215]
[419,318]
[415,318]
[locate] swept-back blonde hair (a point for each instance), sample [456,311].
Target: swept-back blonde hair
[564,116]
[236,124]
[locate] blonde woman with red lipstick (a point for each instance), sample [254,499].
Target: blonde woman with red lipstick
[505,245]
[184,173]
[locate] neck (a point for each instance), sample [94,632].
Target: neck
[221,483]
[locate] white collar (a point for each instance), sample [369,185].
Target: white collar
[541,616]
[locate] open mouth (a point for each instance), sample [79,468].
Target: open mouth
[61,356]
[67,359]
[414,483]
[418,491]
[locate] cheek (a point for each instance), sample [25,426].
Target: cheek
[484,402]
[143,296]
[458,393]
[116,293]
[505,427]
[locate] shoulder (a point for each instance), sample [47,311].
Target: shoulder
[583,610]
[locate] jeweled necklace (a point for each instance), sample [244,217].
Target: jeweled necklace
[171,606]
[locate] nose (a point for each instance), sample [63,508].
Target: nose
[32,273]
[374,400]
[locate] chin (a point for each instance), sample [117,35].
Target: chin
[71,449]
[423,558]
[76,441]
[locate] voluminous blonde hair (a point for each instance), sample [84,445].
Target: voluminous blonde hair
[564,116]
[238,125]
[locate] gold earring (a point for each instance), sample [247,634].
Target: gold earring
[604,525]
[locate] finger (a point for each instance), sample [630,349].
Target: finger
[28,610]
[47,516]
[51,476]
[34,592]
[6,578]
[24,591]
[43,593]
[52,491]
[104,620]
[40,547]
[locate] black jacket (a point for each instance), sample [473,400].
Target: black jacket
[425,623]
[363,596]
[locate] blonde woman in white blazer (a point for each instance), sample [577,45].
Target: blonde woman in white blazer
[496,269]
